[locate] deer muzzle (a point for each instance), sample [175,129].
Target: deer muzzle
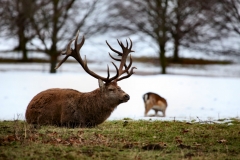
[125,98]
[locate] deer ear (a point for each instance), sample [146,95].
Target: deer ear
[101,84]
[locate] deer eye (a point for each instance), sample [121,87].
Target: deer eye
[111,89]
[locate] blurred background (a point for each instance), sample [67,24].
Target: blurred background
[170,37]
[166,33]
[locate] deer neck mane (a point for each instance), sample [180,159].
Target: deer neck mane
[99,100]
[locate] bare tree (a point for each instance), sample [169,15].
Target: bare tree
[15,22]
[181,23]
[58,21]
[147,17]
[188,24]
[227,22]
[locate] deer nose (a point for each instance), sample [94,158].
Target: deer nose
[126,97]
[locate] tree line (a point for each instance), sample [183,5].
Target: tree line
[195,25]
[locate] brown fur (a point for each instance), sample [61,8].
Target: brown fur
[68,107]
[155,102]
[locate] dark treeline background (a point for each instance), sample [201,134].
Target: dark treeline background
[198,26]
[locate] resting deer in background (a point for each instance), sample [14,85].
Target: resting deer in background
[68,107]
[155,102]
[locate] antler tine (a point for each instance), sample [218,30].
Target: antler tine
[116,59]
[127,44]
[119,53]
[108,74]
[60,63]
[68,50]
[113,78]
[121,45]
[79,46]
[130,45]
[128,75]
[129,66]
[67,53]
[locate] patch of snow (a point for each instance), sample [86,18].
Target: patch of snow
[188,97]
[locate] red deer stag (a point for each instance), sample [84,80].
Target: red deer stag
[71,108]
[155,102]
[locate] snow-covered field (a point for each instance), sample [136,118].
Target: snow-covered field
[189,97]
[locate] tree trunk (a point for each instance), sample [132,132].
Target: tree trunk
[162,59]
[24,52]
[22,48]
[53,63]
[53,50]
[176,50]
[22,44]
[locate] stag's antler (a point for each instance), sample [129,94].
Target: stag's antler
[123,59]
[124,54]
[76,54]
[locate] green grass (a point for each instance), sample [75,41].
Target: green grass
[125,139]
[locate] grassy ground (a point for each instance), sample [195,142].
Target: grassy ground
[125,139]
